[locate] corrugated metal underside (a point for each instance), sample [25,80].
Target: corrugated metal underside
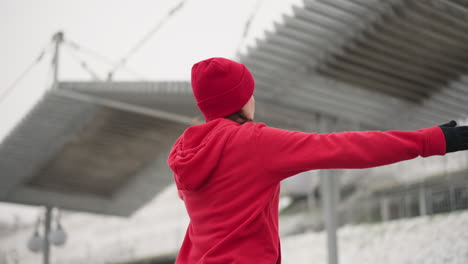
[398,64]
[40,135]
[412,50]
[81,155]
[113,147]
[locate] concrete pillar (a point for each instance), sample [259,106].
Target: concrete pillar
[408,197]
[401,207]
[422,201]
[385,208]
[453,201]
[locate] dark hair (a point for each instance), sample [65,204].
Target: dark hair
[238,117]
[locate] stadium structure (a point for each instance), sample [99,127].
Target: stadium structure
[98,149]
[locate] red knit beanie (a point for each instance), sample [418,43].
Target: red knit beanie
[221,87]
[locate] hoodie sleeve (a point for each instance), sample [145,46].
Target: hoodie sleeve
[286,153]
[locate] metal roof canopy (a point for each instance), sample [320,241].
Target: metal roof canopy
[384,64]
[101,147]
[85,153]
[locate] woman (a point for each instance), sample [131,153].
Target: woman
[228,170]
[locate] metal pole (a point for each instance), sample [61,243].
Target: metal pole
[58,38]
[48,219]
[328,182]
[329,191]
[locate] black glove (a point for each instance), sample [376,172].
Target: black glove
[456,138]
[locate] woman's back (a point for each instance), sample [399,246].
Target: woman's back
[233,207]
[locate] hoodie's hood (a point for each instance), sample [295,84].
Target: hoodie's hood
[196,153]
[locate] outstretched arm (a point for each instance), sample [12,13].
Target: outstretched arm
[286,153]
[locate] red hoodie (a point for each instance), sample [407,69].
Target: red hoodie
[229,178]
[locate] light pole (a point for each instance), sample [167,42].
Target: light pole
[46,249]
[55,237]
[36,243]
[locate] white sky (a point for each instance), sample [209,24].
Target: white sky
[201,29]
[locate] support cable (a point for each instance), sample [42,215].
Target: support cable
[99,57]
[21,77]
[247,25]
[146,37]
[82,63]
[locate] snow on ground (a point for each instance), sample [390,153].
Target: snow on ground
[428,240]
[158,229]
